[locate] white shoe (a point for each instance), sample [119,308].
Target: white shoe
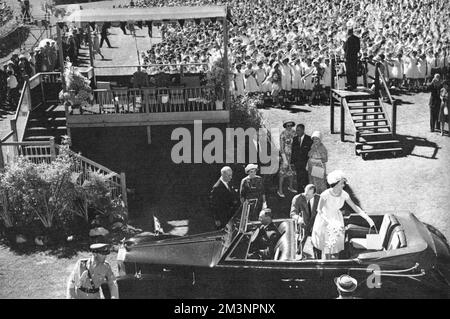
[292,190]
[281,194]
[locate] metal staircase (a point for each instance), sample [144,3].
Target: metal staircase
[375,132]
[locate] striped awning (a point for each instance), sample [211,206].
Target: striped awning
[146,14]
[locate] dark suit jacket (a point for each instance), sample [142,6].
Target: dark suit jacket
[309,221]
[352,47]
[300,206]
[222,202]
[299,156]
[265,241]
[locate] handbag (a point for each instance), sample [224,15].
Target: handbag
[318,172]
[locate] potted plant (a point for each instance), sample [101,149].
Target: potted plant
[78,88]
[215,79]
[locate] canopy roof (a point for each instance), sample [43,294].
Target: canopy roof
[146,14]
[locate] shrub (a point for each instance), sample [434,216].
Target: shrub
[53,194]
[244,111]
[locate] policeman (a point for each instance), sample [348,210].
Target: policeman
[91,273]
[346,286]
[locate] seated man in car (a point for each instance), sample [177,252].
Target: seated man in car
[264,239]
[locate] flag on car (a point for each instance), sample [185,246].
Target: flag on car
[157,226]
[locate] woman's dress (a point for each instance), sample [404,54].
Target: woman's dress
[318,156]
[286,138]
[328,232]
[397,70]
[251,85]
[239,84]
[296,77]
[253,188]
[308,83]
[286,78]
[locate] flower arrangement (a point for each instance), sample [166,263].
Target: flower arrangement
[334,231]
[78,86]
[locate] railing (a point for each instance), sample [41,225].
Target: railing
[380,85]
[20,120]
[152,100]
[85,167]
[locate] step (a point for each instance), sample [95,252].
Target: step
[377,142]
[363,101]
[375,127]
[38,138]
[375,134]
[47,119]
[356,107]
[370,120]
[367,113]
[378,150]
[46,128]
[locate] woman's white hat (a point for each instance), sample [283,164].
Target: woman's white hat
[249,167]
[335,176]
[317,134]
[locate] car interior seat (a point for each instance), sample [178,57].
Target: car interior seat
[388,224]
[284,247]
[397,239]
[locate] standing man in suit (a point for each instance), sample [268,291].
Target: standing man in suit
[351,48]
[223,199]
[301,145]
[304,209]
[104,34]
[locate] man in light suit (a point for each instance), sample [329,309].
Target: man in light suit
[223,198]
[304,209]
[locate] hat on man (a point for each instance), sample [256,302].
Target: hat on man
[335,176]
[100,248]
[250,167]
[286,122]
[346,283]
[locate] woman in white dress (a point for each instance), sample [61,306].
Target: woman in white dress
[308,82]
[396,70]
[260,76]
[412,71]
[251,86]
[296,79]
[238,82]
[328,234]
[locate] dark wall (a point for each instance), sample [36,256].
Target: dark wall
[149,168]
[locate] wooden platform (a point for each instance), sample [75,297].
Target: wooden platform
[360,93]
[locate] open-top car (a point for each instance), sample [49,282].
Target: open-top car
[409,259]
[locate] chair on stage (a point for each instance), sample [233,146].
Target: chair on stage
[121,100]
[150,100]
[105,100]
[176,99]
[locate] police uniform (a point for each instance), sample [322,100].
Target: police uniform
[88,275]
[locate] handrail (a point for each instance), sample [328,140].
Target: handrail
[91,162]
[20,119]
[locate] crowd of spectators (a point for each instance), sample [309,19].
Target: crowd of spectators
[6,13]
[292,38]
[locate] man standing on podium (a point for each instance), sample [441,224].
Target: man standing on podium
[351,48]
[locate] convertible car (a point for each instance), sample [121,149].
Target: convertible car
[406,259]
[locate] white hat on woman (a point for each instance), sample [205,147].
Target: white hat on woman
[317,134]
[249,167]
[335,176]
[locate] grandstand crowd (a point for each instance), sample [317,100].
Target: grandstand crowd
[288,45]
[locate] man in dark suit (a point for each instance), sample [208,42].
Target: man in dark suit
[304,209]
[223,199]
[265,238]
[104,34]
[351,48]
[301,145]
